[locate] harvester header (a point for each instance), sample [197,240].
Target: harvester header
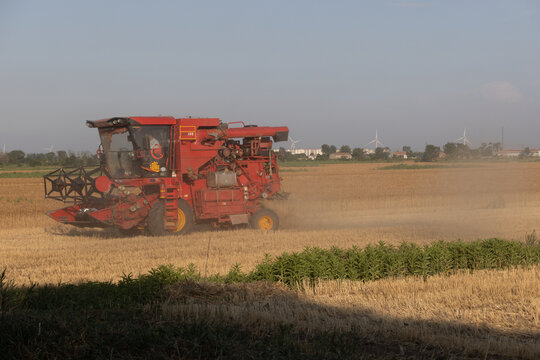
[165,174]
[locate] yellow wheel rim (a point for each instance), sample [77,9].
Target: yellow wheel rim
[181,220]
[266,223]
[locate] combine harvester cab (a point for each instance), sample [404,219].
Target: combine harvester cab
[165,175]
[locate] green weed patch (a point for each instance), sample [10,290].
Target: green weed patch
[368,264]
[383,260]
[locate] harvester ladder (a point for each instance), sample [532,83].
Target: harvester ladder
[171,208]
[175,142]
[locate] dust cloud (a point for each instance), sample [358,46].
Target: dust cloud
[466,201]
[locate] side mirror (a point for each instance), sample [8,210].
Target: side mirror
[99,153]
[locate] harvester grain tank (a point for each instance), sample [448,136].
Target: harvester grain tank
[164,175]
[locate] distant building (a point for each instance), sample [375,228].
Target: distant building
[340,156]
[310,153]
[516,152]
[399,154]
[369,151]
[509,153]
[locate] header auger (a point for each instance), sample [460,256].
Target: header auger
[165,175]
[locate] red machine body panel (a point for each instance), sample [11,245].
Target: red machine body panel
[154,120]
[211,203]
[222,172]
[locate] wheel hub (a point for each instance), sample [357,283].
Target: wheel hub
[266,223]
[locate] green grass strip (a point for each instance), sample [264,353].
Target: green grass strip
[314,163]
[19,174]
[430,166]
[292,170]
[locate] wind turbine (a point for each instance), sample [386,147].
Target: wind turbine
[376,140]
[293,143]
[49,149]
[4,149]
[464,138]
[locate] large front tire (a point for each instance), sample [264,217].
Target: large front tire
[156,219]
[185,218]
[264,219]
[134,231]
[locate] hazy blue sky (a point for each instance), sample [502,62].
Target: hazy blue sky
[333,71]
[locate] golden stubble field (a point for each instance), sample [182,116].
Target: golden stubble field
[331,205]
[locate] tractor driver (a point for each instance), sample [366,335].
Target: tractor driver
[154,143]
[156,159]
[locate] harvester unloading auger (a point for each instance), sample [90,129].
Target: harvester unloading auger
[164,175]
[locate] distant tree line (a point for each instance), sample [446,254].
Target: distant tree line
[450,151]
[358,154]
[58,158]
[459,151]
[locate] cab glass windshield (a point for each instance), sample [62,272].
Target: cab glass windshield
[136,151]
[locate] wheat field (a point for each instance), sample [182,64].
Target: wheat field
[345,205]
[331,205]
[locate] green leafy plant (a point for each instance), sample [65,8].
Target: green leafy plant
[383,260]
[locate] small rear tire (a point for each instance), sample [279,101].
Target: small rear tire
[264,219]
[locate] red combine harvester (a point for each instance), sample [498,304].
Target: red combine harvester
[165,175]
